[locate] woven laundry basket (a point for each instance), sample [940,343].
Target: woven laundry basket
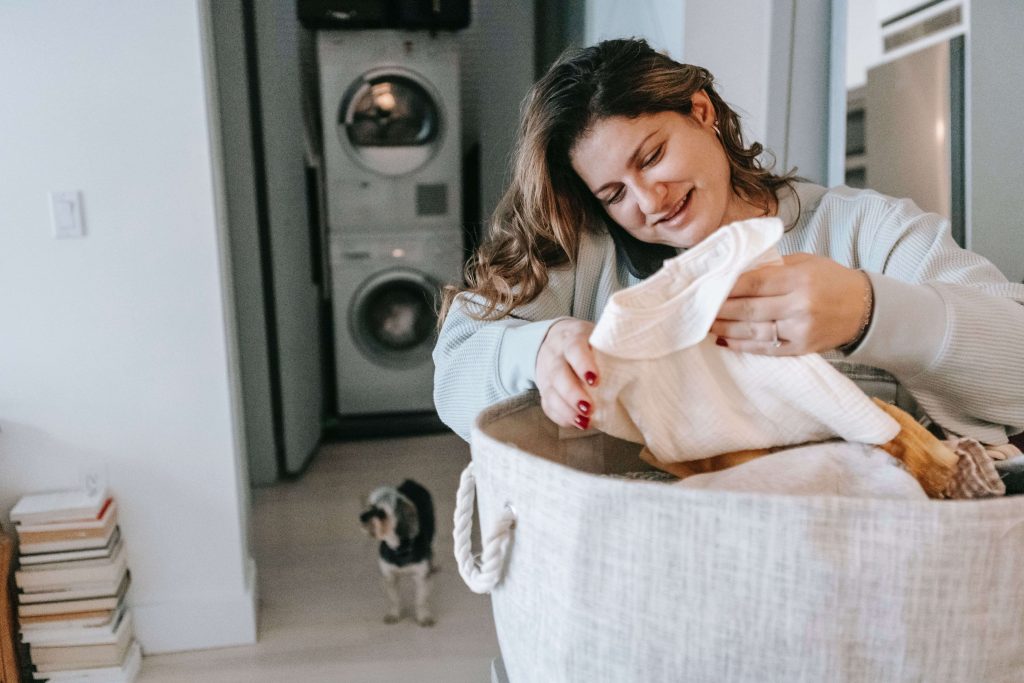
[596,578]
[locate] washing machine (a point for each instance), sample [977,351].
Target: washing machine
[386,290]
[392,190]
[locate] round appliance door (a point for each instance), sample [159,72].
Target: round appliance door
[390,121]
[393,317]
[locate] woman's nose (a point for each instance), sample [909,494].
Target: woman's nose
[650,197]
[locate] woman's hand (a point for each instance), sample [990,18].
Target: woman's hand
[565,367]
[811,303]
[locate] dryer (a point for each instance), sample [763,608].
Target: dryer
[392,181]
[390,105]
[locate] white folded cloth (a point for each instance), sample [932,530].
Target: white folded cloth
[665,383]
[831,468]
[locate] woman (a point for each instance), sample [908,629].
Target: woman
[625,157]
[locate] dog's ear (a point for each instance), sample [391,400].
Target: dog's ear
[407,520]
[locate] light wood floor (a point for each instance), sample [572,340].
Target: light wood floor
[321,604]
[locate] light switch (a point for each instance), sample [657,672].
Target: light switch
[66,212]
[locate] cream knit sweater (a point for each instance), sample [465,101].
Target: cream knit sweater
[946,328]
[665,383]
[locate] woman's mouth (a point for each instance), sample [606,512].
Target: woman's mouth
[677,211]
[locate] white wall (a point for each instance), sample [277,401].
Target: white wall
[660,22]
[801,112]
[864,40]
[733,41]
[115,352]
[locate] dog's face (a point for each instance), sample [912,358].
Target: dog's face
[389,517]
[376,522]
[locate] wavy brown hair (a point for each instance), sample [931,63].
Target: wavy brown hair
[537,222]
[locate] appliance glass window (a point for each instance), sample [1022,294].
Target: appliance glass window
[390,111]
[393,319]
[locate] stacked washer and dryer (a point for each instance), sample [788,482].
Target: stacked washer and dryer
[392,165]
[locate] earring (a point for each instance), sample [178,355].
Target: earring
[714,127]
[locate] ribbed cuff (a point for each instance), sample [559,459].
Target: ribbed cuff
[517,357]
[907,331]
[869,312]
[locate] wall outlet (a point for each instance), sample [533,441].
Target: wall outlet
[94,478]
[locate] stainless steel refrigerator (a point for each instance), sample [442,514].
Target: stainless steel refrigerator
[914,129]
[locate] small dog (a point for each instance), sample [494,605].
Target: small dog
[402,519]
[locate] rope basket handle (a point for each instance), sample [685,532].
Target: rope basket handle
[482,573]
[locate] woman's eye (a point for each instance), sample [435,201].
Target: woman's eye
[615,198]
[653,157]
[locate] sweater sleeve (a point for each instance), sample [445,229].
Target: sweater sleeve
[480,362]
[947,324]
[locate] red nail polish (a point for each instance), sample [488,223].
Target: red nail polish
[584,407]
[582,421]
[591,378]
[721,342]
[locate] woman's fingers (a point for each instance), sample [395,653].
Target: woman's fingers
[807,305]
[771,280]
[745,330]
[558,409]
[565,367]
[760,325]
[754,309]
[759,309]
[570,403]
[581,359]
[770,343]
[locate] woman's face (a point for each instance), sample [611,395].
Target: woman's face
[663,177]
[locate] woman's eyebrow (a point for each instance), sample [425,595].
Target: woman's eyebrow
[633,160]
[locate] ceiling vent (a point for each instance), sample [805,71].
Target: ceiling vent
[910,31]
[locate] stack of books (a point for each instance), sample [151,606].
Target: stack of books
[72,579]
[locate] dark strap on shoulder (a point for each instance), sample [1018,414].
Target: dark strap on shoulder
[642,259]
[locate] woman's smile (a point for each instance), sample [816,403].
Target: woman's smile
[677,214]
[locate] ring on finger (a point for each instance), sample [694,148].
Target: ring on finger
[776,342]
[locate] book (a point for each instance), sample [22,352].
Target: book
[58,658]
[34,538]
[70,555]
[125,673]
[103,634]
[59,506]
[107,558]
[76,605]
[37,537]
[78,591]
[108,510]
[45,622]
[67,575]
[62,541]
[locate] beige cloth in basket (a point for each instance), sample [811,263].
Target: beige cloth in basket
[666,384]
